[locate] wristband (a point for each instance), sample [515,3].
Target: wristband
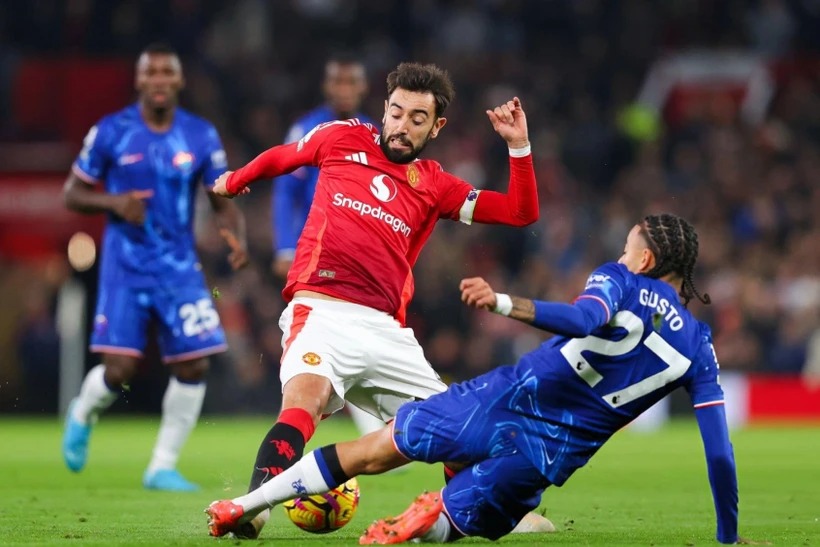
[503,304]
[520,152]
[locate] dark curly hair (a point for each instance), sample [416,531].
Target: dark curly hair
[674,243]
[423,79]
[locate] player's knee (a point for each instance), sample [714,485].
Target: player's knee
[308,392]
[190,372]
[119,370]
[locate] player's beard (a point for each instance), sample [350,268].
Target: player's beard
[399,156]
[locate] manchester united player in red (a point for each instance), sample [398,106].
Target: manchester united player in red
[374,208]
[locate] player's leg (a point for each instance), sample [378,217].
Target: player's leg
[317,472]
[313,380]
[304,398]
[120,324]
[486,499]
[468,414]
[436,429]
[100,388]
[189,331]
[181,406]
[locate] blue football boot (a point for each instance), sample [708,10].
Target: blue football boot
[75,441]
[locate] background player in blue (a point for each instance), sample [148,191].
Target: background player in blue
[622,345]
[344,87]
[151,157]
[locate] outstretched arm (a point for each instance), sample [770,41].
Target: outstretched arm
[519,206]
[281,159]
[270,163]
[576,320]
[720,462]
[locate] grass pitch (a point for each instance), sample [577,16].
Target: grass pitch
[639,490]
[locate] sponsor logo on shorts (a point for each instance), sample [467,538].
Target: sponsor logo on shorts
[311,359]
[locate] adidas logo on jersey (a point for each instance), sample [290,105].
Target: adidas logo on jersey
[358,157]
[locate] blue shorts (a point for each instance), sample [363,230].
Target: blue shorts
[489,498]
[188,324]
[492,495]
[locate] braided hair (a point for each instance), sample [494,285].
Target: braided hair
[674,243]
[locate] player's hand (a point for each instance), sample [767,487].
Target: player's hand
[510,122]
[221,186]
[477,293]
[130,206]
[280,267]
[239,254]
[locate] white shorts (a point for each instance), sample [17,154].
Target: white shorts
[370,359]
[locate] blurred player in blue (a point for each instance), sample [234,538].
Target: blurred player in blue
[150,159]
[344,87]
[623,344]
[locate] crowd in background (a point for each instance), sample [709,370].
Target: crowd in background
[752,190]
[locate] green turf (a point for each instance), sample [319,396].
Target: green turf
[639,490]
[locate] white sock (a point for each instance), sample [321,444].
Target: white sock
[94,397]
[439,532]
[181,406]
[303,478]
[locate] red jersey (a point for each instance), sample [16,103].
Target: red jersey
[370,217]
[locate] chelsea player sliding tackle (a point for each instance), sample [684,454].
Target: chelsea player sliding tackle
[622,345]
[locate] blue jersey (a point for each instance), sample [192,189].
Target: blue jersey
[593,386]
[124,154]
[292,194]
[561,402]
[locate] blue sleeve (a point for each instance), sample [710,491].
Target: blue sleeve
[720,462]
[215,159]
[287,199]
[704,386]
[94,160]
[601,299]
[574,320]
[707,397]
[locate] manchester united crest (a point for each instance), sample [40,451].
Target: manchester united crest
[311,359]
[412,175]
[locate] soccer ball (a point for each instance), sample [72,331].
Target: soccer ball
[324,513]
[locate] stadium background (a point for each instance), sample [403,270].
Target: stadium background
[709,109]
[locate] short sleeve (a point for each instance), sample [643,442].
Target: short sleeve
[216,162]
[94,160]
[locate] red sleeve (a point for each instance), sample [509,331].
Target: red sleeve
[519,206]
[309,150]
